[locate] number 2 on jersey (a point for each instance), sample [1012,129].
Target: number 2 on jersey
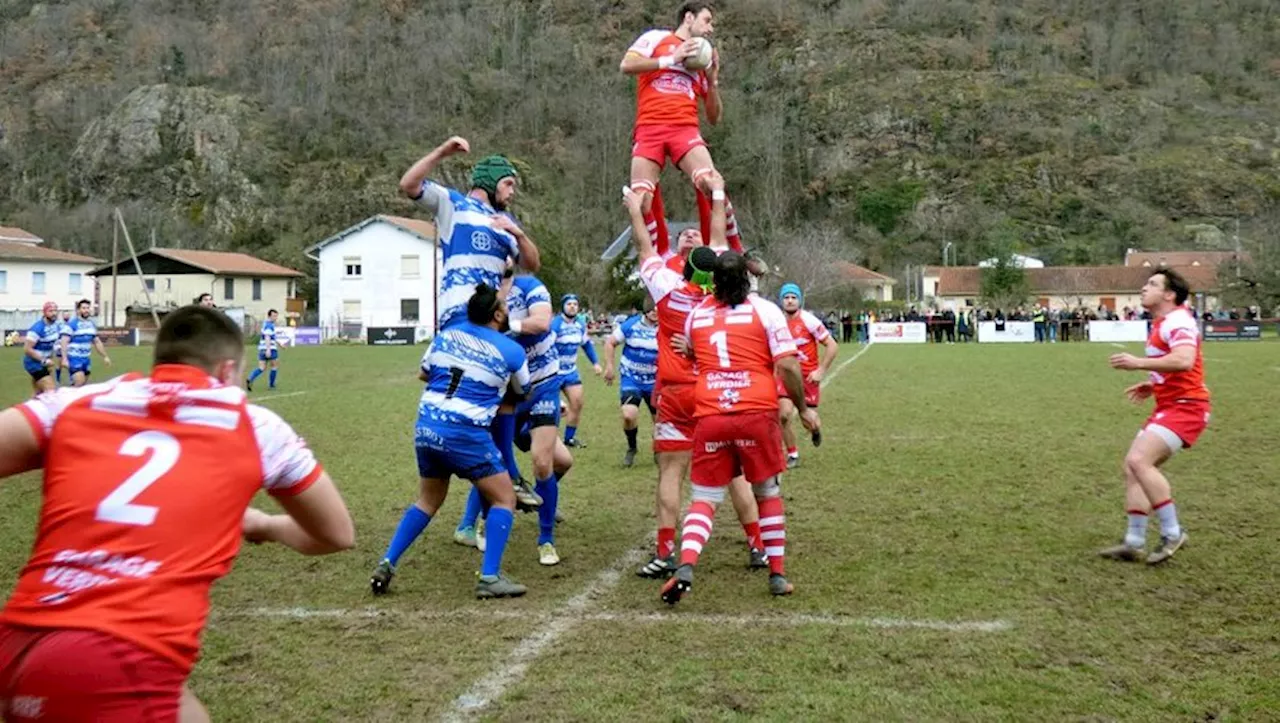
[720,340]
[118,506]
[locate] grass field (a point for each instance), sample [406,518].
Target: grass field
[941,541]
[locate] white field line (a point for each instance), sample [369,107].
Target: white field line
[1118,345]
[485,614]
[844,364]
[567,617]
[269,397]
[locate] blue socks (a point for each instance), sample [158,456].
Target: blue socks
[503,430]
[471,513]
[497,527]
[57,374]
[411,525]
[271,378]
[549,490]
[569,433]
[256,373]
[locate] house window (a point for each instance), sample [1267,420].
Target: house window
[409,267]
[291,290]
[168,284]
[408,309]
[151,284]
[73,283]
[351,309]
[4,281]
[257,289]
[37,282]
[228,289]
[352,264]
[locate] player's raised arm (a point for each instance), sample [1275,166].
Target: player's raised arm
[638,61]
[713,104]
[712,184]
[411,181]
[639,230]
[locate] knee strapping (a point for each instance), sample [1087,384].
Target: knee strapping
[699,173]
[639,185]
[766,489]
[713,495]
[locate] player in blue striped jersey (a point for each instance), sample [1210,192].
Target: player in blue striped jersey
[476,233]
[467,369]
[37,352]
[638,337]
[571,335]
[79,338]
[268,352]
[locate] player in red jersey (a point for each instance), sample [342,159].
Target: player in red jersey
[666,125]
[1176,371]
[809,332]
[675,295]
[739,342]
[147,485]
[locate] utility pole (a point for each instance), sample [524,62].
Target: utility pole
[115,261]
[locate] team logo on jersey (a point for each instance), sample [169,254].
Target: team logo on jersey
[480,241]
[728,398]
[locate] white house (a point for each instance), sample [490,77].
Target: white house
[31,274]
[383,271]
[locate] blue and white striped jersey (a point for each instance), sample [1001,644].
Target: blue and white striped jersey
[571,334]
[474,251]
[544,363]
[267,337]
[468,369]
[80,333]
[45,334]
[639,340]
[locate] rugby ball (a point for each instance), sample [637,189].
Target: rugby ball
[702,57]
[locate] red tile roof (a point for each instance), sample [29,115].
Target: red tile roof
[855,272]
[1065,280]
[13,233]
[425,229]
[225,263]
[18,251]
[1177,259]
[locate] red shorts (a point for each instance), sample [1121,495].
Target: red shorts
[674,423]
[728,445]
[812,392]
[656,142]
[84,675]
[1186,420]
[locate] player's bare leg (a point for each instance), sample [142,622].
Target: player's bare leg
[786,413]
[744,503]
[190,709]
[630,423]
[1133,547]
[1151,449]
[42,385]
[698,166]
[644,180]
[672,468]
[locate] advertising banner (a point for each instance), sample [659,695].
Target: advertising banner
[1232,330]
[1118,331]
[390,335]
[1013,332]
[910,332]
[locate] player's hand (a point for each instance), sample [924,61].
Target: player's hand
[608,376]
[256,526]
[106,360]
[684,50]
[713,70]
[1139,392]
[680,344]
[711,181]
[809,418]
[633,201]
[454,146]
[502,222]
[1125,361]
[50,363]
[597,369]
[815,377]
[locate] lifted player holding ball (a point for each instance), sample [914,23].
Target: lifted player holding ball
[673,71]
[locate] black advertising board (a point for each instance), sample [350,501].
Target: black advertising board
[1232,330]
[390,335]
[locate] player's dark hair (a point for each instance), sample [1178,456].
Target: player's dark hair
[692,7]
[199,337]
[730,274]
[483,305]
[201,297]
[82,302]
[271,311]
[647,305]
[1177,283]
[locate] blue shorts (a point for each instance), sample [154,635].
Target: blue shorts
[572,379]
[272,355]
[634,396]
[445,450]
[78,366]
[541,409]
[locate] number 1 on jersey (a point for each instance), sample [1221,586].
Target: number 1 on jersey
[118,506]
[720,340]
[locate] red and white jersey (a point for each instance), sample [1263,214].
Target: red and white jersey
[674,261]
[668,96]
[674,298]
[146,480]
[809,332]
[1176,329]
[735,349]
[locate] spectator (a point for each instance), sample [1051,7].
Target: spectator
[1038,318]
[949,325]
[846,327]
